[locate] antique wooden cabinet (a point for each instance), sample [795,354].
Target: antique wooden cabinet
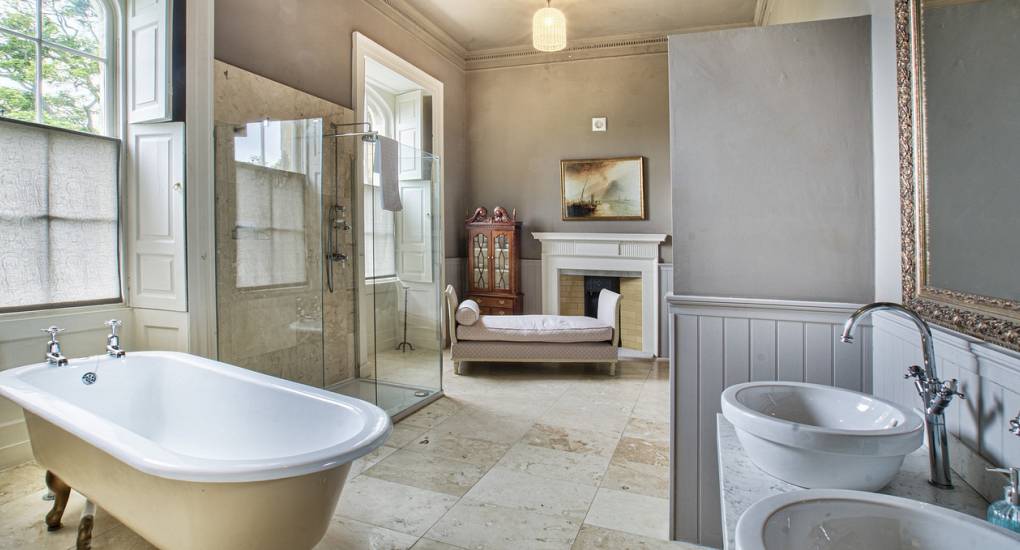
[494,266]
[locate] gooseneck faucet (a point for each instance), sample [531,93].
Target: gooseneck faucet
[53,355]
[935,394]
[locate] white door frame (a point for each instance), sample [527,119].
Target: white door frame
[366,48]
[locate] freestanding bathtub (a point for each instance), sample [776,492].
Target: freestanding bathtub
[192,453]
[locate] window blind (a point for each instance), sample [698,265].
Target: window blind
[59,216]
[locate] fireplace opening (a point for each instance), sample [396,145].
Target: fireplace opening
[593,285]
[579,295]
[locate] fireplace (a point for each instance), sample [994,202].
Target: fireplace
[579,295]
[632,258]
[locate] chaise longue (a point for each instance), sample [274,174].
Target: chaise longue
[534,338]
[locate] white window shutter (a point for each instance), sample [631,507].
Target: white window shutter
[149,60]
[408,126]
[414,232]
[155,217]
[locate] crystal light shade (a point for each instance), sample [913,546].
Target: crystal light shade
[549,30]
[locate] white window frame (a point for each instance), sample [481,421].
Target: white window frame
[111,95]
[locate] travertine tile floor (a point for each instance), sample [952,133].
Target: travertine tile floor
[523,457]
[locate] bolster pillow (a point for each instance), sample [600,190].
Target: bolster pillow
[468,312]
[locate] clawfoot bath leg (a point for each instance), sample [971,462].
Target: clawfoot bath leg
[61,492]
[88,516]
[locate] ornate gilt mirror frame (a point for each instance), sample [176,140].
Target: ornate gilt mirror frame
[995,320]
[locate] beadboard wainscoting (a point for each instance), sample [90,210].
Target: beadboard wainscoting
[989,378]
[719,342]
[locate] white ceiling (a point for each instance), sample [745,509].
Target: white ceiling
[485,24]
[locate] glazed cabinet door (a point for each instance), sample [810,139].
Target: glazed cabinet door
[502,261]
[481,272]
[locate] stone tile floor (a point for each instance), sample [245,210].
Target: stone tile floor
[514,457]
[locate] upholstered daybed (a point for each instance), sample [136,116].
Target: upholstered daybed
[534,338]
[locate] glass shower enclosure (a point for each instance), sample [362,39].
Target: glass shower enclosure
[317,282]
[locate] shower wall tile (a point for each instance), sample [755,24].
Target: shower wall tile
[261,329]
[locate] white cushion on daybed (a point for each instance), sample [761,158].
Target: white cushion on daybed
[536,328]
[468,312]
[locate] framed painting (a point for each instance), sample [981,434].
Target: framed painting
[603,189]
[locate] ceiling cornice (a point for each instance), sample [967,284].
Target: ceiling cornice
[587,48]
[415,22]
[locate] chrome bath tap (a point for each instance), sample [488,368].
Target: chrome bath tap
[113,348]
[935,394]
[53,355]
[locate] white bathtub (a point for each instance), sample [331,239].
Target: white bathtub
[194,453]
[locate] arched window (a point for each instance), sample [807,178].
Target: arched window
[56,63]
[379,240]
[380,113]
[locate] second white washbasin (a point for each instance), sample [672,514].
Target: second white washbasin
[853,520]
[821,437]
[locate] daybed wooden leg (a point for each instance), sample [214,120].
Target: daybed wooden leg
[61,492]
[612,368]
[457,369]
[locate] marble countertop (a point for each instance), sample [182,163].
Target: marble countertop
[743,484]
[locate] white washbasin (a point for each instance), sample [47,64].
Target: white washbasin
[820,437]
[827,519]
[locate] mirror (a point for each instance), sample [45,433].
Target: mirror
[960,71]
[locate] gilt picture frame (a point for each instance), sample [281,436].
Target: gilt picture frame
[610,189]
[989,318]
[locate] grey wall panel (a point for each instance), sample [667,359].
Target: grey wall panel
[665,289]
[770,146]
[738,350]
[684,451]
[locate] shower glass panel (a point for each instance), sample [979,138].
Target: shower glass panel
[269,248]
[399,310]
[284,193]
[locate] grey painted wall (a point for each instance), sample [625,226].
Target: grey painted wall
[306,44]
[524,120]
[972,86]
[771,162]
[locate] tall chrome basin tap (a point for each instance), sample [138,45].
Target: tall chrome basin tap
[935,394]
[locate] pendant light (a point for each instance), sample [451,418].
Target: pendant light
[549,29]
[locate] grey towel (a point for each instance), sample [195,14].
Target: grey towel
[386,163]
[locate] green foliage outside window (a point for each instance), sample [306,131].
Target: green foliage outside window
[70,42]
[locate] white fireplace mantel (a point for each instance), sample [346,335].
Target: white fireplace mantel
[601,252]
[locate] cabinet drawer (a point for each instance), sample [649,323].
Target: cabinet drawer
[489,301]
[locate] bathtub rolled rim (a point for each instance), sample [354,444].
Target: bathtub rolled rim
[151,458]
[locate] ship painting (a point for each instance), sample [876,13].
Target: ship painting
[581,207]
[603,189]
